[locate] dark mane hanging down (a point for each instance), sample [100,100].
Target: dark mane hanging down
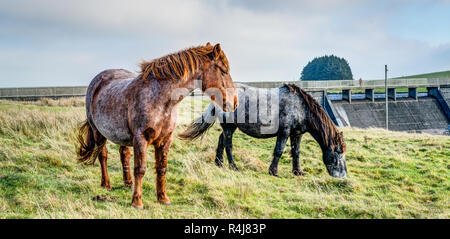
[319,120]
[179,65]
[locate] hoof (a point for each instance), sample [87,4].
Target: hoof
[138,207]
[234,167]
[219,163]
[273,173]
[107,187]
[136,202]
[298,173]
[128,185]
[167,203]
[164,201]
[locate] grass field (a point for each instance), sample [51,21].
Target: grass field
[441,74]
[391,174]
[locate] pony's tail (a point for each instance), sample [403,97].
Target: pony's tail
[200,125]
[88,149]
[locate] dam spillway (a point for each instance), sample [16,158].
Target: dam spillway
[422,115]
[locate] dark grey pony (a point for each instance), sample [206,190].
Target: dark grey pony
[286,112]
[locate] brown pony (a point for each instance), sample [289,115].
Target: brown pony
[139,111]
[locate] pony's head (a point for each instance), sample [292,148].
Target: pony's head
[326,134]
[334,157]
[205,63]
[216,79]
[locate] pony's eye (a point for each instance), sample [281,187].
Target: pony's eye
[222,70]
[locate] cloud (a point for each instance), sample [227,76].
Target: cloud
[264,40]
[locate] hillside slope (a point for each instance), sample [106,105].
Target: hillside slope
[391,174]
[440,74]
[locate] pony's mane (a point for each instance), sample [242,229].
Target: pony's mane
[179,65]
[319,120]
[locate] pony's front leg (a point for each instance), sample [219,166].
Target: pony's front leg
[279,147]
[140,147]
[295,153]
[161,152]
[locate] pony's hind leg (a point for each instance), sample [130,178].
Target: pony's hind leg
[125,155]
[279,147]
[102,158]
[228,142]
[229,150]
[161,152]
[219,152]
[295,153]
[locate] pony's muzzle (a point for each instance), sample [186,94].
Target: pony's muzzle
[339,170]
[337,173]
[236,103]
[230,106]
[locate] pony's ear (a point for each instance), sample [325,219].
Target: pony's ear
[217,50]
[215,54]
[208,44]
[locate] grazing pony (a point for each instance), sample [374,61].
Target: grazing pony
[139,111]
[292,113]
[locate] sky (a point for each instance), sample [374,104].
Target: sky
[66,43]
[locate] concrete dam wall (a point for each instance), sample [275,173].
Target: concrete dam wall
[445,93]
[422,115]
[425,114]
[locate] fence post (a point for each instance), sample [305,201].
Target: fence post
[387,96]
